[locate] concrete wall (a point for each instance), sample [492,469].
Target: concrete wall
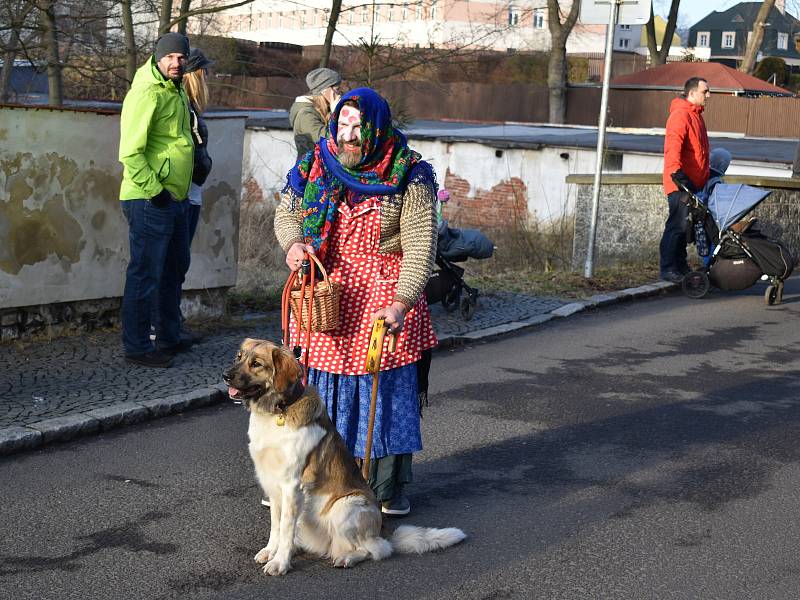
[490,187]
[633,210]
[63,236]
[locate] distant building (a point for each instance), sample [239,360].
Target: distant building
[722,36]
[498,25]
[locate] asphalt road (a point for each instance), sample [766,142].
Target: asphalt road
[647,450]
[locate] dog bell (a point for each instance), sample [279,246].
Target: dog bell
[281,420]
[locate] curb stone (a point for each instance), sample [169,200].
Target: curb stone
[15,439]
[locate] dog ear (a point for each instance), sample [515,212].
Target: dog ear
[287,371]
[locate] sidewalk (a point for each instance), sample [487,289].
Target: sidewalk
[73,386]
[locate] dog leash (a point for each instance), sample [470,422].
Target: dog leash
[373,365]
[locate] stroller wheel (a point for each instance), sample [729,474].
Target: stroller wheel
[451,299]
[773,295]
[695,284]
[468,307]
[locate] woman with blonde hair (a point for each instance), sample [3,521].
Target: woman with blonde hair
[194,82]
[309,115]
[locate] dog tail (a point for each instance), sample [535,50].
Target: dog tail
[409,539]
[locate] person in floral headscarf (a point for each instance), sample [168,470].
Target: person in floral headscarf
[363,202]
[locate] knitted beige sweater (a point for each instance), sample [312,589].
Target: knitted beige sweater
[408,225]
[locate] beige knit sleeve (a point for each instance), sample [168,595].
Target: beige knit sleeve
[289,220]
[418,240]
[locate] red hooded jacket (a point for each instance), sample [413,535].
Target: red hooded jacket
[685,144]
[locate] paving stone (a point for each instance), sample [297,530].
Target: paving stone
[14,439]
[120,414]
[568,309]
[65,428]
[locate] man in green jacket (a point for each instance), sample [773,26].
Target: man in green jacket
[157,152]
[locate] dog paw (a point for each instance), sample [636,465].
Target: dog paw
[264,555]
[341,562]
[277,567]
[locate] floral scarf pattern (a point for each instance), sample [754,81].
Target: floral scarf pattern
[385,168]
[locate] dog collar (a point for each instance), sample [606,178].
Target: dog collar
[297,393]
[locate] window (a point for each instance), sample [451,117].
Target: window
[703,39]
[513,15]
[433,10]
[390,12]
[280,19]
[625,27]
[302,18]
[623,43]
[783,41]
[612,161]
[538,18]
[404,16]
[728,39]
[364,13]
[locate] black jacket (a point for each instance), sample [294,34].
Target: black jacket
[202,160]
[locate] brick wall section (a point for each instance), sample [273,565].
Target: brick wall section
[496,208]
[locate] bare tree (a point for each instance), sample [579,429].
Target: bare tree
[183,10]
[165,16]
[659,56]
[16,36]
[131,61]
[557,64]
[333,20]
[54,81]
[753,45]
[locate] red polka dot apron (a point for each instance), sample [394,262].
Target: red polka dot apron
[369,283]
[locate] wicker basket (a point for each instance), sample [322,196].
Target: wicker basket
[325,312]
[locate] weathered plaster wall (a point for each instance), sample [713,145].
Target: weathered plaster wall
[633,210]
[489,186]
[63,237]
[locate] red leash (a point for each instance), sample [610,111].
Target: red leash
[308,278]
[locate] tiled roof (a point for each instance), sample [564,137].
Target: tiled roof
[720,78]
[744,12]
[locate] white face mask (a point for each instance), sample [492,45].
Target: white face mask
[348,136]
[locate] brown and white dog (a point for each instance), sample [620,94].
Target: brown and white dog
[319,501]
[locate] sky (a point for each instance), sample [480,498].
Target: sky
[691,11]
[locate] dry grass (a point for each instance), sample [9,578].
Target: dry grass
[531,258]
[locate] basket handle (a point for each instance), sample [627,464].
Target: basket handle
[325,279]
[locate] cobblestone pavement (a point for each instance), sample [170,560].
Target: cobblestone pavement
[75,385]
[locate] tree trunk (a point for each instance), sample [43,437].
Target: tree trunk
[557,81]
[658,56]
[54,83]
[796,164]
[652,45]
[5,75]
[749,61]
[557,62]
[130,41]
[184,9]
[164,17]
[336,8]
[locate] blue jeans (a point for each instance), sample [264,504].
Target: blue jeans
[673,243]
[159,248]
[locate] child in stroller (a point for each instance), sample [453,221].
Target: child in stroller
[446,284]
[736,253]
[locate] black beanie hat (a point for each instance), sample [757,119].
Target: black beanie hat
[170,43]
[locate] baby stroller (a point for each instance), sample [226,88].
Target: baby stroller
[741,254]
[446,284]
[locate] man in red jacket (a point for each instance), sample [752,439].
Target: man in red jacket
[685,160]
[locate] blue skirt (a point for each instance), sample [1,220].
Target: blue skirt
[347,398]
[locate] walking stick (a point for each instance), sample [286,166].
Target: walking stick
[373,365]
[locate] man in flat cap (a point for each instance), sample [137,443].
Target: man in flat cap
[156,151]
[310,113]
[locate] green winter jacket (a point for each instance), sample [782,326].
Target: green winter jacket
[307,124]
[155,143]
